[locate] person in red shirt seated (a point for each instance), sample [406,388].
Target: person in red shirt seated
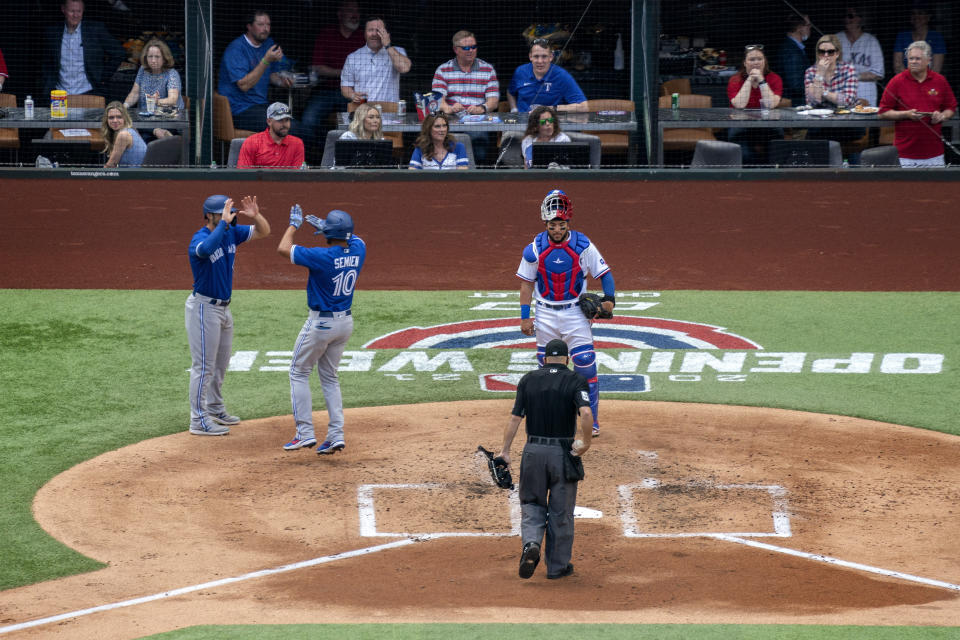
[919,99]
[754,87]
[274,146]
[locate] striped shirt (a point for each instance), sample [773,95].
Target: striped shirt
[471,88]
[844,83]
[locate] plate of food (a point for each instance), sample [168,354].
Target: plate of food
[716,67]
[862,109]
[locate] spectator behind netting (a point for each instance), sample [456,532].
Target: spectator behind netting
[124,146]
[919,99]
[920,21]
[156,78]
[436,148]
[250,64]
[793,59]
[366,124]
[540,82]
[542,126]
[829,82]
[3,71]
[79,56]
[373,71]
[862,50]
[754,87]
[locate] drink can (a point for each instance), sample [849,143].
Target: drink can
[401,107]
[675,101]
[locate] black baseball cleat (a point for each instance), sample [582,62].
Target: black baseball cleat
[529,559]
[567,570]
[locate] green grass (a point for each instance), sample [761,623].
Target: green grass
[84,372]
[554,631]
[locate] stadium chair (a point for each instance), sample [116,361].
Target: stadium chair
[163,152]
[677,85]
[686,139]
[616,143]
[716,153]
[885,156]
[10,138]
[886,136]
[468,145]
[234,156]
[223,129]
[329,148]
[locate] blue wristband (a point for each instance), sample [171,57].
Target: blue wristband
[524,312]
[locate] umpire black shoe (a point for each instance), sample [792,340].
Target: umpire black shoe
[567,570]
[529,559]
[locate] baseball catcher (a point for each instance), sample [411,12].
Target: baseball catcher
[592,306]
[498,470]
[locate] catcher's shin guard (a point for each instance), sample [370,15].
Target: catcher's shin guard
[585,363]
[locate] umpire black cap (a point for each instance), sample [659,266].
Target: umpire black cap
[556,347]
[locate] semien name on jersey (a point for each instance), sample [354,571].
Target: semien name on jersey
[346,261]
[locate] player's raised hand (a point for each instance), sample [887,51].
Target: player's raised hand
[296,216]
[249,206]
[228,213]
[316,222]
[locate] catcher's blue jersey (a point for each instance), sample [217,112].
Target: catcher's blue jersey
[333,273]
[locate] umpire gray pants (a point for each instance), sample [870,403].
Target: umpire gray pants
[547,502]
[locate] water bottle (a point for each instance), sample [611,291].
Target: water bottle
[213,165]
[28,108]
[618,54]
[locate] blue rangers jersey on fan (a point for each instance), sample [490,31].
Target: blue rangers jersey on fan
[333,273]
[211,258]
[560,269]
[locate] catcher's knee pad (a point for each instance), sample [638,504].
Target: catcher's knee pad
[585,361]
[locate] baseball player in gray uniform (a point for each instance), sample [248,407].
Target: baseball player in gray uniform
[207,314]
[334,270]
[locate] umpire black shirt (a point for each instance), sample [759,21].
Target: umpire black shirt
[550,398]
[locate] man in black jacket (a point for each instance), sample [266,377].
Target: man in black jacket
[79,56]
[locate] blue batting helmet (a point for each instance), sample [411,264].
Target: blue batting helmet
[214,204]
[338,225]
[556,205]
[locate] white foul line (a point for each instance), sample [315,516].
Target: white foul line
[210,585]
[837,561]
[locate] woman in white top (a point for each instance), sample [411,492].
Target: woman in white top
[436,148]
[366,124]
[541,127]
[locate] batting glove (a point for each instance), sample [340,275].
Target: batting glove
[296,216]
[316,222]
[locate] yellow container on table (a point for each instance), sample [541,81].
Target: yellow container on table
[58,104]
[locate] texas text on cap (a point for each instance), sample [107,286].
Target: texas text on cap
[556,347]
[278,111]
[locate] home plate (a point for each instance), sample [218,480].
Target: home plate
[583,512]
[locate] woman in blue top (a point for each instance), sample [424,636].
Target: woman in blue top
[920,21]
[125,147]
[156,79]
[436,148]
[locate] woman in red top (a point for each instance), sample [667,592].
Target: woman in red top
[746,89]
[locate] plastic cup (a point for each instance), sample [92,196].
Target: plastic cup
[151,105]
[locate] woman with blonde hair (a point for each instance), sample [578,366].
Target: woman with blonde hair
[436,148]
[830,82]
[367,124]
[124,146]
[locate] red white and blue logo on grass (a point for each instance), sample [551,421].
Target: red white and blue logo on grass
[623,332]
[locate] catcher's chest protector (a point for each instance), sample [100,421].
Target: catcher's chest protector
[559,276]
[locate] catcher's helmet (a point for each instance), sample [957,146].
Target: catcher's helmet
[338,225]
[556,205]
[214,204]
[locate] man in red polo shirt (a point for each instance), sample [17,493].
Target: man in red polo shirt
[919,99]
[274,146]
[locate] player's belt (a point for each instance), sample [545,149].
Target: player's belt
[557,441]
[213,301]
[556,307]
[331,314]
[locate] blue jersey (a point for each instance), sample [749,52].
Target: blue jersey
[333,273]
[211,258]
[560,269]
[556,87]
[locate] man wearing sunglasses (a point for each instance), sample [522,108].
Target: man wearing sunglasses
[468,85]
[540,82]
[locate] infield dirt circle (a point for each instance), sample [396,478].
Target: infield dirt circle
[827,519]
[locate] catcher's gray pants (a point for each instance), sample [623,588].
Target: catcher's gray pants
[547,502]
[321,343]
[210,334]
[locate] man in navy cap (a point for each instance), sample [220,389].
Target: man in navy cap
[551,398]
[208,319]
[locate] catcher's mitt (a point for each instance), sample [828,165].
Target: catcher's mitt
[591,307]
[498,470]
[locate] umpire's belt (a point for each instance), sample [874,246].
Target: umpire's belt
[566,442]
[330,314]
[213,301]
[556,307]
